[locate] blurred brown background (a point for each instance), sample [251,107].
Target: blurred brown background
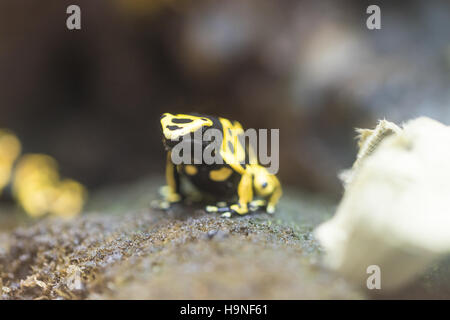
[92,98]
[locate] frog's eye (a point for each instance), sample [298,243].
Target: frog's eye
[264,184]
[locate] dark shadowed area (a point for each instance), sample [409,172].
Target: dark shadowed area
[92,98]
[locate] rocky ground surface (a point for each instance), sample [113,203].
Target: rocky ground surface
[122,249]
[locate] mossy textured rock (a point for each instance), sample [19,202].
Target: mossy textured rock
[184,253]
[148,255]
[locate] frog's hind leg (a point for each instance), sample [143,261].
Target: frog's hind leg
[245,194]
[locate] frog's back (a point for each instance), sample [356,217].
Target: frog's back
[221,179]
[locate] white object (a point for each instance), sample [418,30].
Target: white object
[395,212]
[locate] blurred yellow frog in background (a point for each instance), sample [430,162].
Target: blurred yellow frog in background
[36,184]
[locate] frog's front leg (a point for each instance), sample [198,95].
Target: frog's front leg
[245,194]
[173,181]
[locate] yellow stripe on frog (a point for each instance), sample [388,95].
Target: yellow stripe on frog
[221,174]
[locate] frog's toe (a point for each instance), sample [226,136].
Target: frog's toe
[160,204]
[212,209]
[270,209]
[239,209]
[164,191]
[217,209]
[257,204]
[226,214]
[174,197]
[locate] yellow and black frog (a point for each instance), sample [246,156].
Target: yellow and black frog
[235,179]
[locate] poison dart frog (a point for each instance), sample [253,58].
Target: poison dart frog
[234,182]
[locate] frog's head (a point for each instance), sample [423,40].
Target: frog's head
[174,127]
[263,182]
